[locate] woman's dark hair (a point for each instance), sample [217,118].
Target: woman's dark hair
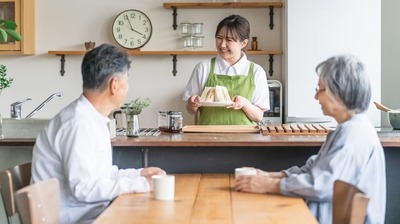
[101,64]
[237,25]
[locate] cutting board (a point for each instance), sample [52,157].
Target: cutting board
[222,128]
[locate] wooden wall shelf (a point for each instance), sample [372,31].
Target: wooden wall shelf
[174,54]
[218,5]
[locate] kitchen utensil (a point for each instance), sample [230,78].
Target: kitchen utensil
[381,107]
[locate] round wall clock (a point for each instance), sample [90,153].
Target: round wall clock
[132,29]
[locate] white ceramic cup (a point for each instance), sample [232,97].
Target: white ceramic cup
[163,187]
[245,171]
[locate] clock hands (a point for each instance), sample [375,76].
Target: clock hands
[130,24]
[137,31]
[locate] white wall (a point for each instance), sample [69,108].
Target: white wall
[317,30]
[66,25]
[390,55]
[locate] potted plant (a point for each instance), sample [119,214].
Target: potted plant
[7,28]
[132,109]
[5,81]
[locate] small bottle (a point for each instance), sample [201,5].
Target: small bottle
[254,44]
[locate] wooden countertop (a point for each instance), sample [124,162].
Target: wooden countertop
[213,139]
[207,198]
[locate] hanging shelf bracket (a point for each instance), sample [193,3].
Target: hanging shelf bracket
[174,15]
[62,61]
[271,65]
[271,17]
[174,60]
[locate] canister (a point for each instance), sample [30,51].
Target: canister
[175,121]
[188,41]
[163,121]
[186,28]
[198,41]
[197,28]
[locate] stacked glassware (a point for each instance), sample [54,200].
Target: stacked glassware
[191,35]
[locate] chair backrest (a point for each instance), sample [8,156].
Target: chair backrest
[11,180]
[349,204]
[39,202]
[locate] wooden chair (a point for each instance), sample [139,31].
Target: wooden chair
[39,202]
[11,180]
[349,204]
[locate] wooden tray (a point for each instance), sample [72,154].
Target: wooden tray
[222,128]
[294,129]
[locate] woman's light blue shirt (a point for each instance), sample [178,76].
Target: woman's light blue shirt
[352,153]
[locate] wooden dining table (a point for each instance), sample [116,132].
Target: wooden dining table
[207,198]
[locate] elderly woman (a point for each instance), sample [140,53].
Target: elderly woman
[352,152]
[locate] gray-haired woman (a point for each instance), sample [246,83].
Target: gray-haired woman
[352,152]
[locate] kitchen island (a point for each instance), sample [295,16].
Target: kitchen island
[222,152]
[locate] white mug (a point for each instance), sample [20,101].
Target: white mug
[163,187]
[245,171]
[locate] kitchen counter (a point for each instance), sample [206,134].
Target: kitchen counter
[388,139]
[221,153]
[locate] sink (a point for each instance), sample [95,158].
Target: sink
[23,128]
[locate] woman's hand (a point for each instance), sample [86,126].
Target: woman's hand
[193,103]
[253,112]
[238,103]
[257,184]
[150,171]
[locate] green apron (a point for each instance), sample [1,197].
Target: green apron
[237,85]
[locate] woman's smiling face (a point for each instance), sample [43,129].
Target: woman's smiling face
[229,46]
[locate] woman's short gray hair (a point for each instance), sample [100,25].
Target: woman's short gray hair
[345,77]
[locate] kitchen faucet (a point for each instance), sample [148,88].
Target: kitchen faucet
[59,94]
[16,108]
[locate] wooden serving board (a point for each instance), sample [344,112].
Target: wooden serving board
[222,128]
[294,129]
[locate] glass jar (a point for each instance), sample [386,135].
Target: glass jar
[163,121]
[170,121]
[188,41]
[198,41]
[186,28]
[197,28]
[175,121]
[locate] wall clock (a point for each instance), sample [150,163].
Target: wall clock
[132,29]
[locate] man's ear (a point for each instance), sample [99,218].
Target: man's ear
[113,85]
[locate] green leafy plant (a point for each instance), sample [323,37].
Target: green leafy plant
[135,107]
[4,81]
[7,28]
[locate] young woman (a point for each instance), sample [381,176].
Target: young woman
[246,81]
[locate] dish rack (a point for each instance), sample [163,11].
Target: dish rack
[294,129]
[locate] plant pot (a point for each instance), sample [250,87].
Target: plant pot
[132,125]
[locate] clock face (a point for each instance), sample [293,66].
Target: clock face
[132,29]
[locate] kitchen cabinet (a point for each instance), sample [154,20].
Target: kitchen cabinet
[23,13]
